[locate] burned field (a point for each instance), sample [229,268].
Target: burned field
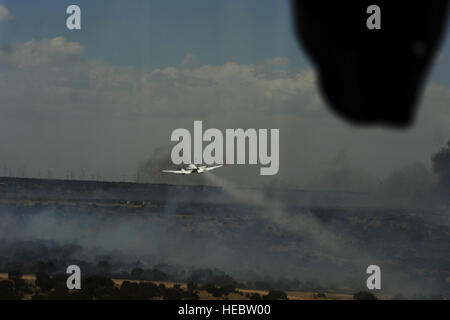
[185,233]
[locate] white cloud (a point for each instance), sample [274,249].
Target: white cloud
[46,53]
[5,14]
[54,71]
[189,59]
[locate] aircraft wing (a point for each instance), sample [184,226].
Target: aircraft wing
[213,167]
[172,171]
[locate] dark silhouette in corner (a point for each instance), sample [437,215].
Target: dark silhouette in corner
[371,76]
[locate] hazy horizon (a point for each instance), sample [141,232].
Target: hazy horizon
[101,102]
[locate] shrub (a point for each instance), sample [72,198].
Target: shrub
[276,295]
[44,281]
[173,294]
[14,275]
[255,296]
[139,291]
[191,286]
[364,295]
[8,292]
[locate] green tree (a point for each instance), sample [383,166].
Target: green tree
[364,295]
[276,295]
[15,274]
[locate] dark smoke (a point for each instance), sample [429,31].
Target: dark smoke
[241,231]
[441,166]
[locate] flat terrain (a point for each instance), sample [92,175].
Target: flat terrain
[296,241]
[204,295]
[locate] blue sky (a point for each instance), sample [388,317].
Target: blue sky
[155,34]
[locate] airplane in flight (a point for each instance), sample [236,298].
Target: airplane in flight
[192,168]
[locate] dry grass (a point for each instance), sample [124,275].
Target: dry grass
[204,295]
[26,277]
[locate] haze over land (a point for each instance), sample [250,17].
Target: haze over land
[100,105]
[253,235]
